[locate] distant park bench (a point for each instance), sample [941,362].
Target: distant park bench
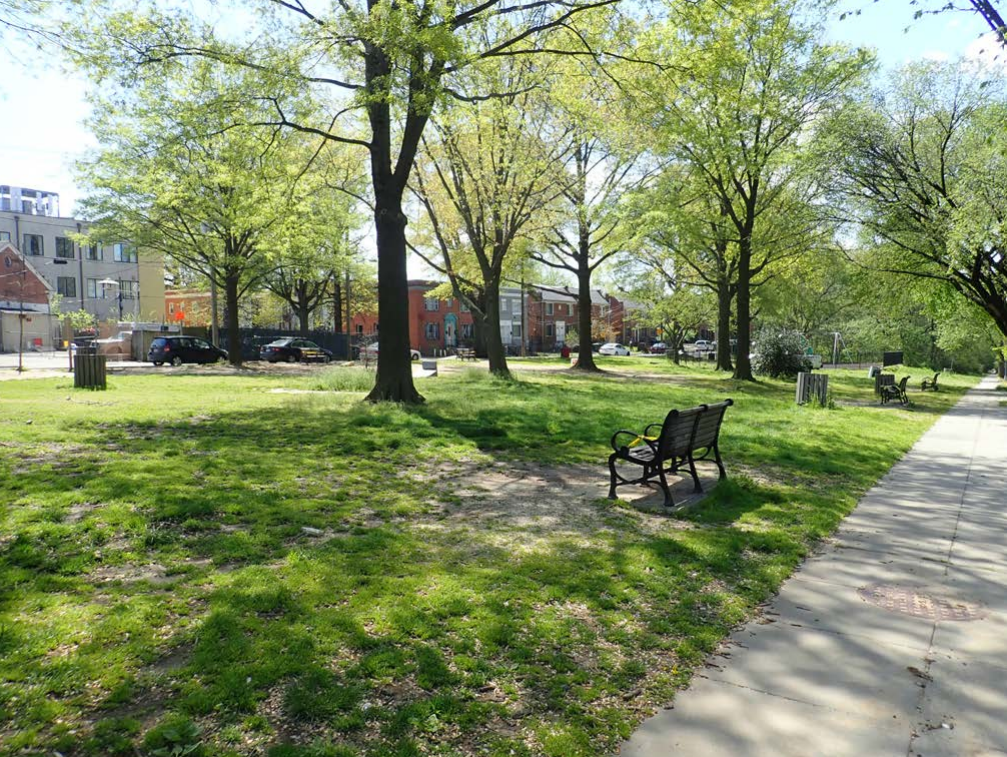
[895,392]
[930,383]
[466,353]
[681,436]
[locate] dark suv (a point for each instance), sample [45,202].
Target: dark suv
[183,349]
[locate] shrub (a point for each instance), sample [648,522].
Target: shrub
[780,353]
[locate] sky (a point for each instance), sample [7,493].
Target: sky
[44,107]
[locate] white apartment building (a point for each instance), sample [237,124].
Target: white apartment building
[110,280]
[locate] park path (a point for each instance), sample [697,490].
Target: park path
[892,640]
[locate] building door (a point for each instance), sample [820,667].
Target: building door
[560,332]
[450,330]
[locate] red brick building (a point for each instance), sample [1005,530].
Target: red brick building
[434,323]
[25,321]
[550,314]
[20,282]
[187,307]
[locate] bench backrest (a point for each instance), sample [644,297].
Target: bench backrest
[708,428]
[678,431]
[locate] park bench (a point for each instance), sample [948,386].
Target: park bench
[683,434]
[895,392]
[466,353]
[930,383]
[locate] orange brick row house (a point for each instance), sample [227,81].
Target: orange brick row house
[549,314]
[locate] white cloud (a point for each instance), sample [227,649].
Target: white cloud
[987,51]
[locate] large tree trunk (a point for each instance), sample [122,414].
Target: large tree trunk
[394,380]
[303,311]
[337,305]
[743,366]
[725,294]
[494,341]
[585,357]
[231,282]
[479,326]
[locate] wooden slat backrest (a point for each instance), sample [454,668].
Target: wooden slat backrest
[708,428]
[678,430]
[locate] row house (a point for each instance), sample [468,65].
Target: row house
[548,314]
[554,311]
[436,323]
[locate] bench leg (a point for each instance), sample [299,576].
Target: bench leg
[612,474]
[698,487]
[668,501]
[720,463]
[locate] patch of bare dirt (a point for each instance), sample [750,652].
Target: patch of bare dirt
[129,573]
[61,456]
[515,501]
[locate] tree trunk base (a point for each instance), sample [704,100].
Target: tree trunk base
[589,368]
[394,391]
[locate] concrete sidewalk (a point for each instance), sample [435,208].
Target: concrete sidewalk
[893,641]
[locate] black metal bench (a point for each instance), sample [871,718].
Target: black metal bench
[930,383]
[681,436]
[896,392]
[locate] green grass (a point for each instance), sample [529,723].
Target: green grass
[159,591]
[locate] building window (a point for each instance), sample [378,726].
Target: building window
[95,290]
[433,331]
[449,302]
[66,286]
[549,330]
[569,309]
[463,307]
[360,329]
[92,252]
[130,290]
[548,308]
[432,304]
[466,331]
[515,330]
[123,253]
[4,236]
[33,244]
[64,248]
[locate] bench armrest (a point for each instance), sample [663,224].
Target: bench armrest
[634,437]
[646,431]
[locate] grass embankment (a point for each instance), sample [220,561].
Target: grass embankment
[190,560]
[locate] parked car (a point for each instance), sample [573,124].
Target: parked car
[658,348]
[291,349]
[613,348]
[701,347]
[371,352]
[120,344]
[183,349]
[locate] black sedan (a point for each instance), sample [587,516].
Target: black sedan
[294,350]
[183,349]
